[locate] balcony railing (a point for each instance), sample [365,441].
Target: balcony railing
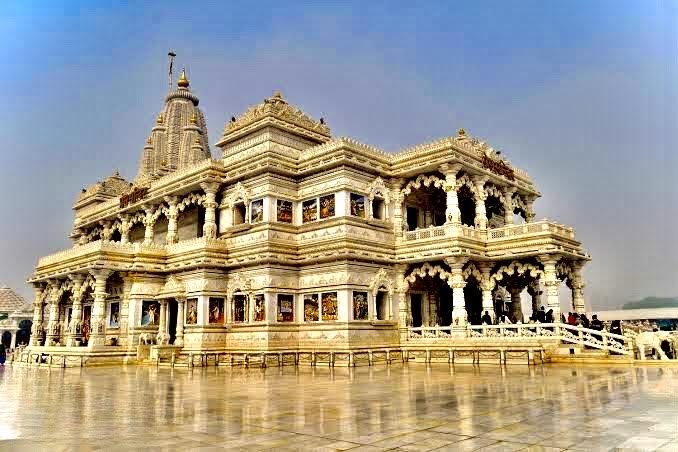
[531,228]
[426,233]
[527,331]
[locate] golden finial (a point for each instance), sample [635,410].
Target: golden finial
[461,132]
[183,81]
[160,119]
[277,95]
[194,118]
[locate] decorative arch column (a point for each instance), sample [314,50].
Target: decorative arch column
[486,286]
[508,205]
[209,229]
[398,199]
[404,317]
[75,326]
[452,212]
[149,222]
[53,323]
[578,285]
[552,284]
[98,324]
[125,226]
[172,216]
[456,281]
[37,328]
[480,196]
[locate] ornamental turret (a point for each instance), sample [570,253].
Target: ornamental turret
[179,137]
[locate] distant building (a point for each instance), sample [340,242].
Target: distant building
[15,318]
[665,318]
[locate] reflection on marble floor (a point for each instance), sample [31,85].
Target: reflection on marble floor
[410,407]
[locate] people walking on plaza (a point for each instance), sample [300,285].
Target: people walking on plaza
[584,321]
[541,315]
[571,319]
[596,324]
[3,354]
[486,319]
[615,327]
[549,316]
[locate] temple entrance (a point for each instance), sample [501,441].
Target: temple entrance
[474,301]
[6,339]
[415,306]
[173,308]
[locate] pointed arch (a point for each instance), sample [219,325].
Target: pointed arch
[191,198]
[237,282]
[472,270]
[427,270]
[381,279]
[465,180]
[378,188]
[425,181]
[516,267]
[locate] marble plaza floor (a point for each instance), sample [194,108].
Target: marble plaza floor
[411,407]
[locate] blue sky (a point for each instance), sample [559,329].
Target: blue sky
[582,95]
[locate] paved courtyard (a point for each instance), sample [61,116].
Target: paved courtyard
[410,407]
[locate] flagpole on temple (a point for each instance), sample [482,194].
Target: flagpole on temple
[171,55]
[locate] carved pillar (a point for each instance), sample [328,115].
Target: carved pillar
[127,281]
[452,212]
[209,229]
[578,289]
[535,292]
[459,315]
[229,309]
[162,326]
[82,239]
[181,318]
[75,326]
[486,286]
[98,324]
[106,231]
[516,305]
[552,284]
[508,206]
[172,215]
[398,199]
[401,294]
[53,323]
[433,308]
[37,329]
[149,222]
[480,197]
[529,214]
[125,226]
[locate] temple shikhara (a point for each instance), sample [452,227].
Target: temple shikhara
[284,244]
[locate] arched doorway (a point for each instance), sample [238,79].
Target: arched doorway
[23,336]
[6,339]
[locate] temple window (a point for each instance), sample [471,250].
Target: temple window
[285,308]
[360,306]
[257,211]
[378,209]
[381,305]
[239,305]
[311,308]
[357,205]
[329,308]
[412,218]
[239,213]
[284,211]
[116,236]
[259,308]
[318,208]
[136,233]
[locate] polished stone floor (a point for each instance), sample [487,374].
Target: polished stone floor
[411,407]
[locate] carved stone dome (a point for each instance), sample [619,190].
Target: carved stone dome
[179,138]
